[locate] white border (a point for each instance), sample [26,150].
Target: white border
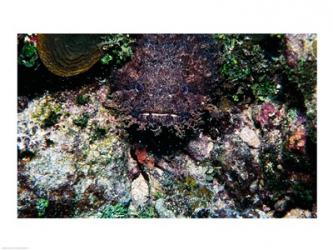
[170,16]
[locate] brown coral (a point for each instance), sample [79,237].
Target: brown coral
[68,54]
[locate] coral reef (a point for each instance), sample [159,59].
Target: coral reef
[82,152]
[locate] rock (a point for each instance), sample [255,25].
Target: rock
[22,103]
[30,136]
[133,168]
[227,213]
[254,186]
[107,166]
[200,148]
[203,213]
[133,172]
[238,170]
[162,211]
[282,204]
[155,176]
[139,191]
[184,195]
[263,215]
[66,164]
[224,206]
[26,203]
[250,137]
[300,47]
[198,172]
[49,172]
[273,137]
[298,213]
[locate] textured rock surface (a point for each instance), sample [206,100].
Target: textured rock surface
[200,148]
[50,172]
[250,137]
[298,213]
[65,163]
[300,47]
[139,191]
[90,172]
[162,211]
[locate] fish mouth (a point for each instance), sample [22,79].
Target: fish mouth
[160,119]
[157,115]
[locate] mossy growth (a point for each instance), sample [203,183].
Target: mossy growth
[183,196]
[191,186]
[47,113]
[98,133]
[28,55]
[211,172]
[248,73]
[118,49]
[274,175]
[102,152]
[301,81]
[292,115]
[52,119]
[264,89]
[158,195]
[147,212]
[303,75]
[82,99]
[115,211]
[195,194]
[41,206]
[81,121]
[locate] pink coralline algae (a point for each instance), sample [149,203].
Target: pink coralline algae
[267,114]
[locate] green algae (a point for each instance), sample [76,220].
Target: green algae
[82,99]
[190,194]
[41,206]
[82,120]
[47,113]
[115,211]
[98,133]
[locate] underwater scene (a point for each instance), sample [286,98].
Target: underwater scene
[167,126]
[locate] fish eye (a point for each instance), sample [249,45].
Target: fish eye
[139,87]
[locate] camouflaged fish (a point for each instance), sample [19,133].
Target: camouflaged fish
[168,83]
